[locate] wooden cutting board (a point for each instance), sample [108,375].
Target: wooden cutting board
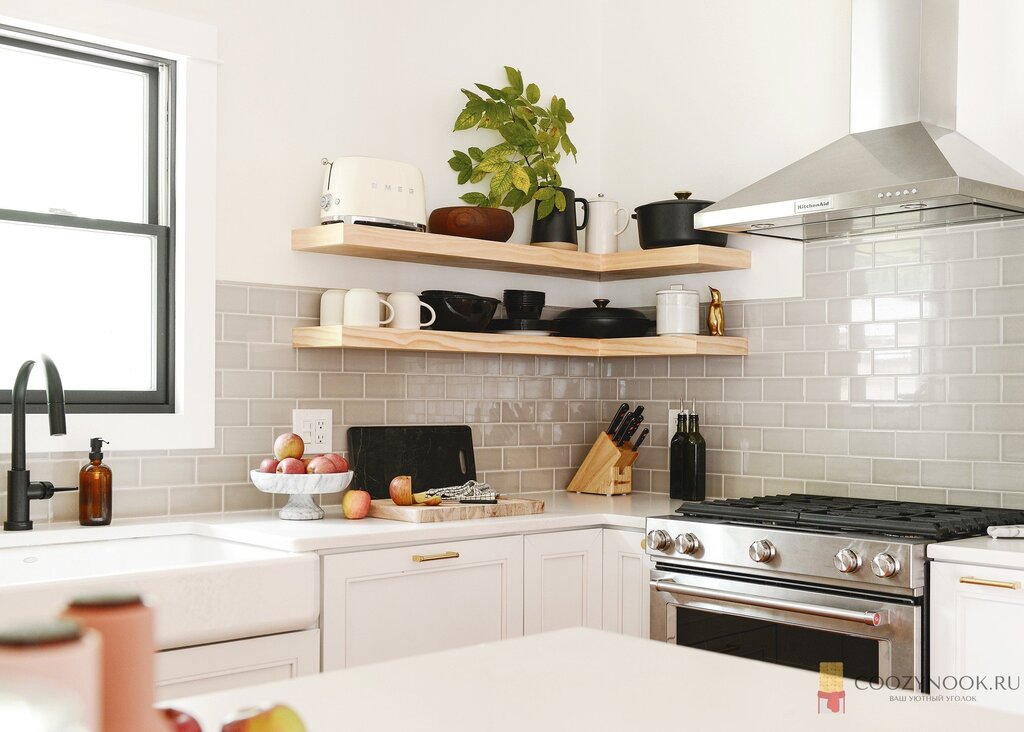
[384,508]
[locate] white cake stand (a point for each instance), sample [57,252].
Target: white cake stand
[301,487]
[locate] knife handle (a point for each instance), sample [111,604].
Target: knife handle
[640,440]
[617,419]
[623,426]
[630,431]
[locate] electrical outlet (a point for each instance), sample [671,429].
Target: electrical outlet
[673,415]
[314,426]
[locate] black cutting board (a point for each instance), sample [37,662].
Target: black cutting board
[435,456]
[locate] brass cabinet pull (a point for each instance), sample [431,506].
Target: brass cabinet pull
[434,557]
[990,583]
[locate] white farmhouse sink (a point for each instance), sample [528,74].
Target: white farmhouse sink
[202,589]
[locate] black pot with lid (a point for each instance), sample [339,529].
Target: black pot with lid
[602,322]
[670,223]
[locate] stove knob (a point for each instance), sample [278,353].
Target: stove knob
[883,565]
[658,540]
[846,561]
[762,550]
[687,544]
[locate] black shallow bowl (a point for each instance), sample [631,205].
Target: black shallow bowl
[524,312]
[460,311]
[523,296]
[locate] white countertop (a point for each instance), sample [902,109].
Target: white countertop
[982,550]
[582,679]
[562,510]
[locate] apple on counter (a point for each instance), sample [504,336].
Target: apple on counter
[278,718]
[355,504]
[269,465]
[291,466]
[400,490]
[289,445]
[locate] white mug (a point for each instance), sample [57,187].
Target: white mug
[602,228]
[407,307]
[362,307]
[332,306]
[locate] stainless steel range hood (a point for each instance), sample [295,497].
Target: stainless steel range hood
[903,166]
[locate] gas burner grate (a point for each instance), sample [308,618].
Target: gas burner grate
[835,513]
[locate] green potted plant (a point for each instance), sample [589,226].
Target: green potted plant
[520,169]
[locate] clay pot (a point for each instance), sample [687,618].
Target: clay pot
[473,222]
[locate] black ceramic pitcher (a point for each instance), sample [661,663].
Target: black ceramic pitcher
[560,225]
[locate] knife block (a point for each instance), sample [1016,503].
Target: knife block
[606,469]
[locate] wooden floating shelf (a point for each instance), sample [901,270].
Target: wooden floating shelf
[396,245]
[396,339]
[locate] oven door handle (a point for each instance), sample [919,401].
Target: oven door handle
[872,618]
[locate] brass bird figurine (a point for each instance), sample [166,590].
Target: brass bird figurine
[716,315]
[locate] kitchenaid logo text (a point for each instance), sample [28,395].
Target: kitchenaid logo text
[388,188]
[809,205]
[942,683]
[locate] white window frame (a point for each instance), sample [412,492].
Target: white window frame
[194,47]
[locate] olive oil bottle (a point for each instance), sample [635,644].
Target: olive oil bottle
[694,461]
[677,456]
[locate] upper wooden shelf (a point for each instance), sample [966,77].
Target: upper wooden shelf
[395,339]
[452,251]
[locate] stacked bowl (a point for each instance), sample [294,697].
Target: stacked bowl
[523,304]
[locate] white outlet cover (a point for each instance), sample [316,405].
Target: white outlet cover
[315,426]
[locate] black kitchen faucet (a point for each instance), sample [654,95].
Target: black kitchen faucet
[20,489]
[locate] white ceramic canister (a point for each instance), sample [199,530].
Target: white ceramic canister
[332,307]
[678,311]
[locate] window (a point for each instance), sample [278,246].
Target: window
[86,221]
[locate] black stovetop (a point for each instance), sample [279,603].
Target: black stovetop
[855,515]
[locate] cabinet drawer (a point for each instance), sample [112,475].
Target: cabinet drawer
[391,603]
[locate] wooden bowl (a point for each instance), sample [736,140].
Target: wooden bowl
[472,222]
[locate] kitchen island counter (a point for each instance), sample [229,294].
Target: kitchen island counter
[562,511]
[586,679]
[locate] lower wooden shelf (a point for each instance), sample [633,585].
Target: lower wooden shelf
[397,339]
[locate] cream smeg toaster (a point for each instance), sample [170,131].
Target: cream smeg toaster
[373,191]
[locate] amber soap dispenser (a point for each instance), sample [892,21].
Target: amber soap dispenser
[95,488]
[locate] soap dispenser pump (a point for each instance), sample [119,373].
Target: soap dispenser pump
[95,488]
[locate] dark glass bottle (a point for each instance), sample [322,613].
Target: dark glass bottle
[95,488]
[677,457]
[694,462]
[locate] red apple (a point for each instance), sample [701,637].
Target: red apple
[277,718]
[355,504]
[180,721]
[307,459]
[291,466]
[269,465]
[288,445]
[401,490]
[321,464]
[339,462]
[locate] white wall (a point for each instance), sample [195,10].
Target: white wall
[668,94]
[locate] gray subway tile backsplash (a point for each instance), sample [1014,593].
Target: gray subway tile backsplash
[898,374]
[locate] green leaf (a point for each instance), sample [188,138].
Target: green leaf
[559,200]
[545,207]
[476,153]
[533,93]
[514,200]
[501,182]
[500,151]
[517,134]
[475,198]
[566,115]
[491,92]
[545,193]
[464,176]
[460,161]
[520,178]
[478,175]
[471,95]
[515,79]
[492,165]
[466,120]
[509,94]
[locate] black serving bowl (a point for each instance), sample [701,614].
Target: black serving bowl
[460,311]
[602,322]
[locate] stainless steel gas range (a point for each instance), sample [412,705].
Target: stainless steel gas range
[798,580]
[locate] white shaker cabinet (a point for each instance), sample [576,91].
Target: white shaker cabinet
[976,615]
[391,603]
[220,666]
[562,576]
[627,577]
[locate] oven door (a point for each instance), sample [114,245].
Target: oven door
[874,636]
